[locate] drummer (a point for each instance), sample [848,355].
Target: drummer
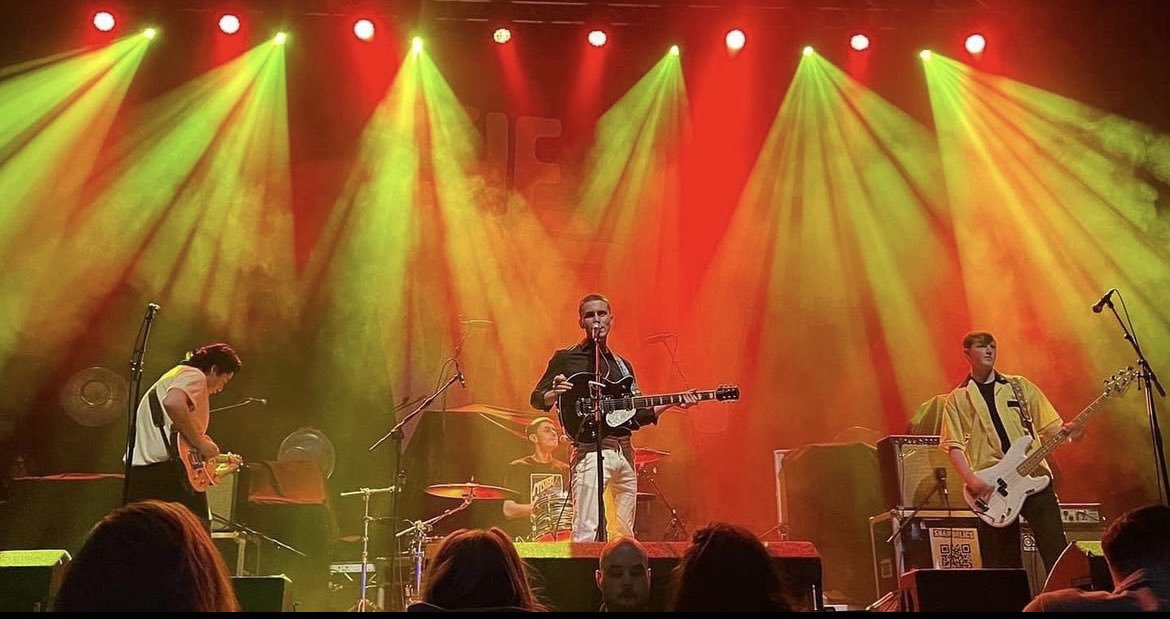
[535,477]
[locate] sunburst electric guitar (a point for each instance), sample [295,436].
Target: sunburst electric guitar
[1012,481]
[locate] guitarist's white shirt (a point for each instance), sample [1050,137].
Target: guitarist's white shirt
[149,447]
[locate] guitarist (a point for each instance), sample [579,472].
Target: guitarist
[180,402]
[980,420]
[595,310]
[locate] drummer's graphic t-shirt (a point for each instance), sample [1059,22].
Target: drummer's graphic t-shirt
[549,480]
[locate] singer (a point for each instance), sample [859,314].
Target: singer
[541,470]
[595,318]
[181,401]
[980,420]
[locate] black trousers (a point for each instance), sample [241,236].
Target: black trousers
[1001,547]
[166,481]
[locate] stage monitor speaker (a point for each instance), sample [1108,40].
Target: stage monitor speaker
[938,539]
[910,467]
[563,572]
[986,590]
[29,579]
[263,594]
[1081,566]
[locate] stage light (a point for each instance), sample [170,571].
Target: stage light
[674,50]
[416,45]
[150,33]
[364,29]
[859,42]
[229,24]
[280,38]
[597,38]
[502,35]
[807,51]
[103,21]
[925,54]
[976,43]
[735,40]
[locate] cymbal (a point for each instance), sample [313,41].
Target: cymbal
[471,490]
[646,496]
[94,396]
[644,456]
[309,444]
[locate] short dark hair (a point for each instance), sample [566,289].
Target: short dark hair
[219,355]
[593,296]
[974,338]
[1138,539]
[534,425]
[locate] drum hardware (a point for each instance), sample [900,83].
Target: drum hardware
[643,459]
[363,604]
[419,529]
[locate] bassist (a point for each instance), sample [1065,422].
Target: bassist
[179,402]
[595,316]
[981,419]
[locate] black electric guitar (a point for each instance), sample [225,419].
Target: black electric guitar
[618,404]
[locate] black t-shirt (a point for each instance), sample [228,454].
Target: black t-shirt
[522,476]
[988,392]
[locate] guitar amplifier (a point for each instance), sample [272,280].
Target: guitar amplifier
[913,470]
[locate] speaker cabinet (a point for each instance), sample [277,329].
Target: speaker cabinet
[987,590]
[928,539]
[29,579]
[263,594]
[914,471]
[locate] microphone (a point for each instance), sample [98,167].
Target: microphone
[459,374]
[260,401]
[1100,305]
[152,308]
[659,337]
[940,475]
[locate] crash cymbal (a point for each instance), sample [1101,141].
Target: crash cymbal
[472,490]
[646,496]
[94,396]
[309,444]
[644,456]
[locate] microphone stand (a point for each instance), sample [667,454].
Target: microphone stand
[672,351]
[599,424]
[1150,381]
[246,402]
[917,508]
[398,434]
[136,362]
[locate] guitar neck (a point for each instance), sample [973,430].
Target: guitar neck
[649,401]
[1032,462]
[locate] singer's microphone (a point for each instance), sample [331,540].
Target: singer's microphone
[260,401]
[153,307]
[1100,305]
[459,374]
[659,337]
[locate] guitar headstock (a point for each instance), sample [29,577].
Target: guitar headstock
[727,393]
[1118,383]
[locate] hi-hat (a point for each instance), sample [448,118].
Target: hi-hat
[471,490]
[644,456]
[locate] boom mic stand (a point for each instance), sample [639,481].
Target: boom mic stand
[136,361]
[1149,381]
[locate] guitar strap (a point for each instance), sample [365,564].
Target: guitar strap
[1025,414]
[157,416]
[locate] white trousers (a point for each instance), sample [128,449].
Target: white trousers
[620,480]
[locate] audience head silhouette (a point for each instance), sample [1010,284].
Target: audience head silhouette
[475,569]
[727,569]
[624,576]
[1138,540]
[148,556]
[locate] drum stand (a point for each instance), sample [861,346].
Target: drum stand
[419,530]
[363,603]
[676,531]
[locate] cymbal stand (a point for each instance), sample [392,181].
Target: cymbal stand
[677,529]
[419,529]
[363,604]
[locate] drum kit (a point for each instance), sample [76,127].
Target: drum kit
[552,519]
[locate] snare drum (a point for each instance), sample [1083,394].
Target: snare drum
[552,518]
